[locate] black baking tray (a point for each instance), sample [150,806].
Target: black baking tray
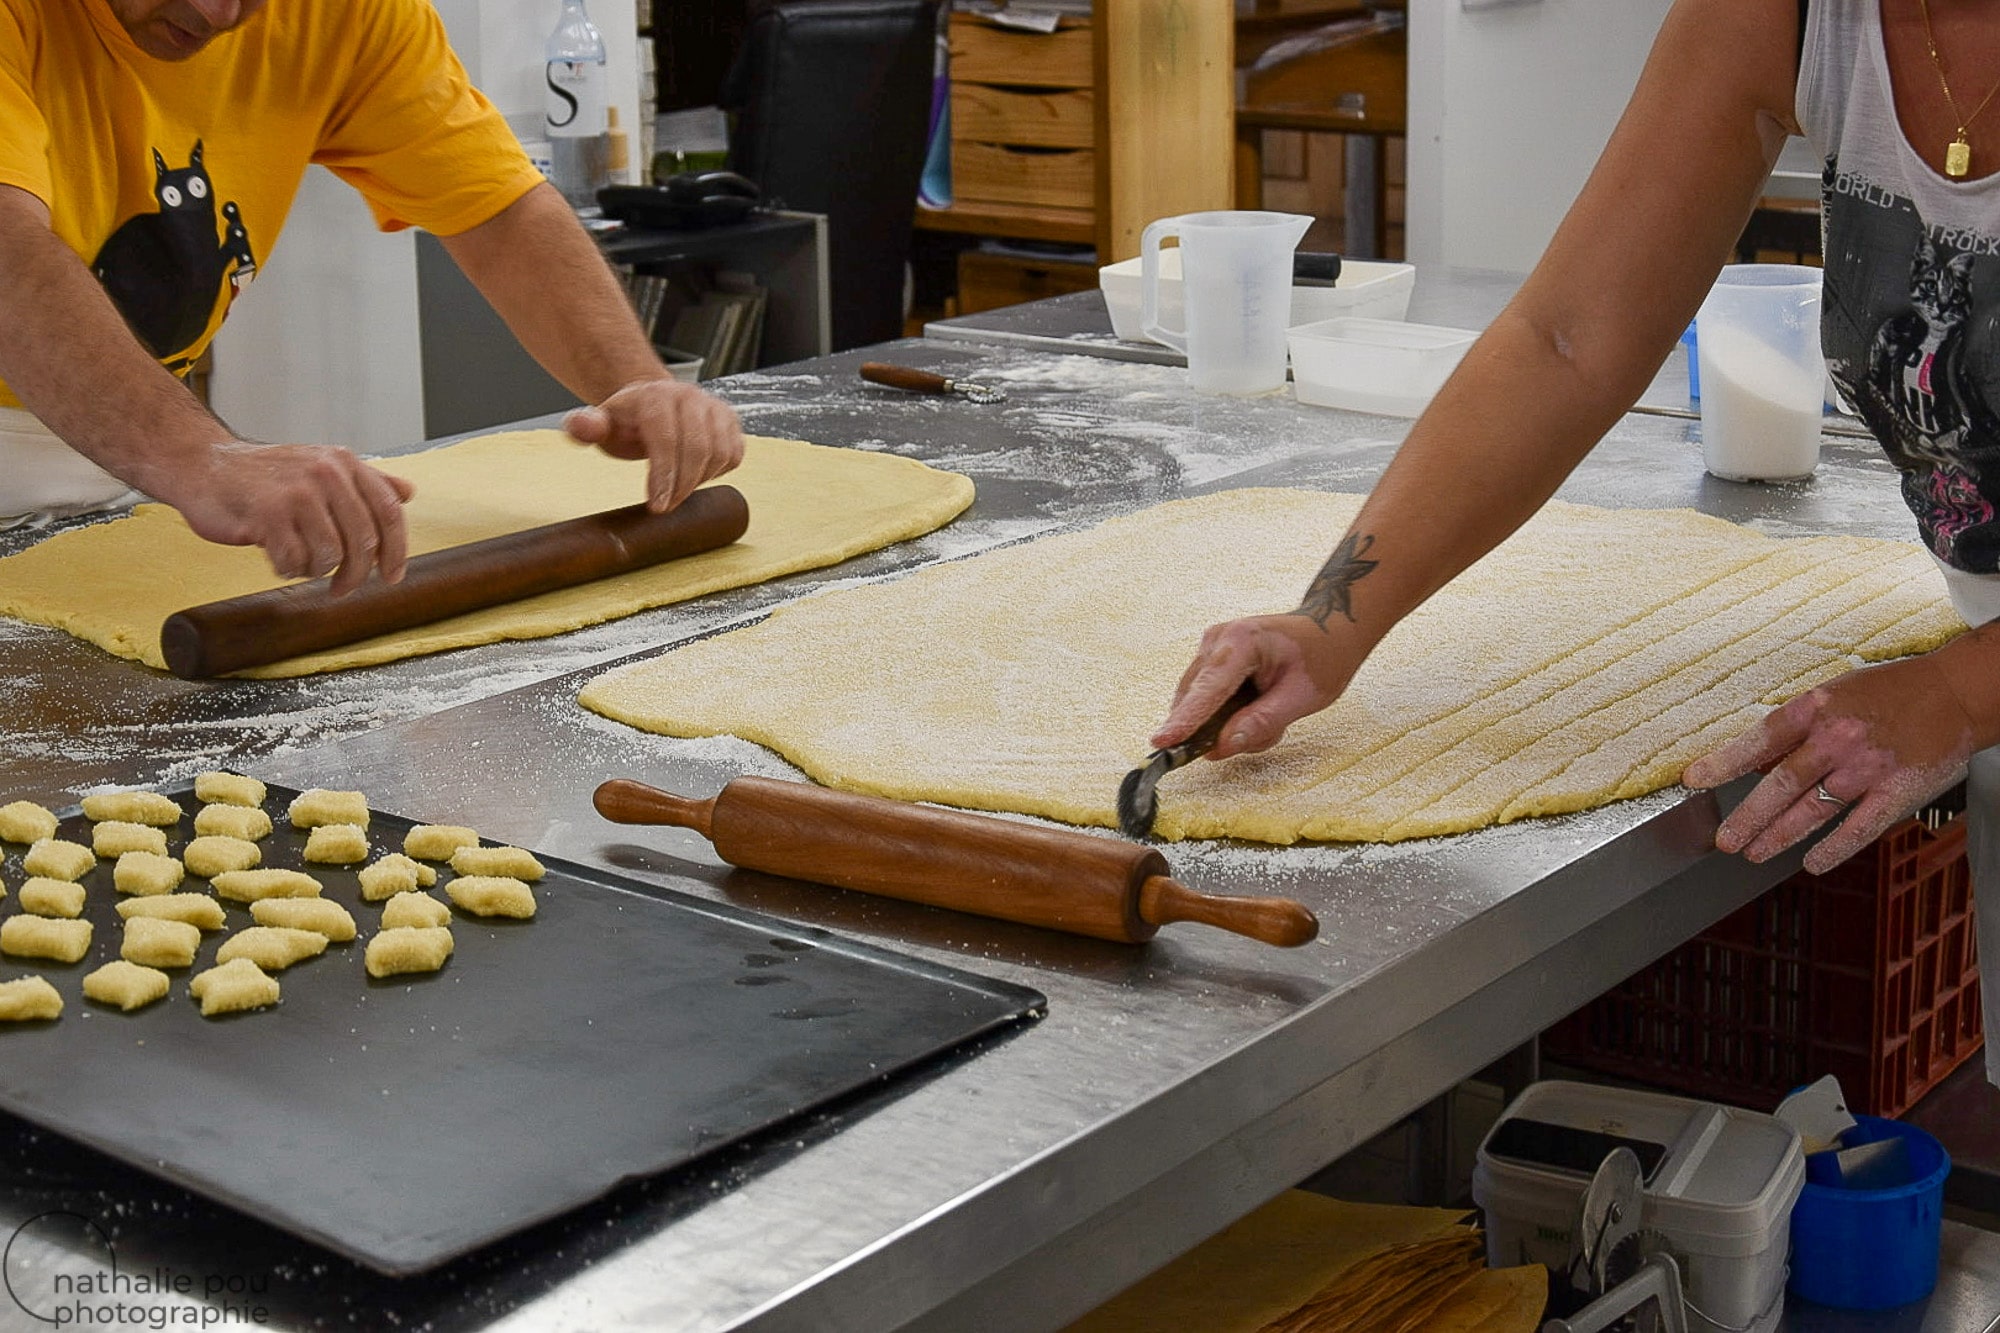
[402,1122]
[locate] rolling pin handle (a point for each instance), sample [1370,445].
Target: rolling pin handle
[624,801]
[1278,921]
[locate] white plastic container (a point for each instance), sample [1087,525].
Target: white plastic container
[1374,365]
[1721,1197]
[1763,381]
[1366,288]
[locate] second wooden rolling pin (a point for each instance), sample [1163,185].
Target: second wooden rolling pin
[1041,876]
[264,627]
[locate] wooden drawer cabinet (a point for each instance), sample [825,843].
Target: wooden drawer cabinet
[983,53]
[1022,133]
[1083,135]
[1004,174]
[1043,117]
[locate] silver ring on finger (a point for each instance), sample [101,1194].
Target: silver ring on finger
[1823,794]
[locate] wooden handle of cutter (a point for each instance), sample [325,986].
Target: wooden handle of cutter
[948,858]
[904,377]
[264,627]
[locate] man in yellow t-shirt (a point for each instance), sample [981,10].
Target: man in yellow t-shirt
[151,149]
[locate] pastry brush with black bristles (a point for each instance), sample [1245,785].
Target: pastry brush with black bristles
[1138,806]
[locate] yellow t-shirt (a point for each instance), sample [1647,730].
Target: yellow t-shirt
[171,179]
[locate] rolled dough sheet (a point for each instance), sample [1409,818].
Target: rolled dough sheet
[1586,660]
[114,583]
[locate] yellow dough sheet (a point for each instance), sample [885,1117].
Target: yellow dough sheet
[1587,659]
[113,584]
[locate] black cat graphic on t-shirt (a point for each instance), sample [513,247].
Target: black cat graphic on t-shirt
[165,270]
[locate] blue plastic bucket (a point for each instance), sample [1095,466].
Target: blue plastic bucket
[1872,1249]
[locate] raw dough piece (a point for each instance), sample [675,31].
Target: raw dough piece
[26,998]
[1589,658]
[249,886]
[492,895]
[115,837]
[512,862]
[414,909]
[317,806]
[273,948]
[58,859]
[146,873]
[42,896]
[322,915]
[197,909]
[45,937]
[154,941]
[245,822]
[220,788]
[125,984]
[809,507]
[437,842]
[233,987]
[137,807]
[213,855]
[337,844]
[393,874]
[408,949]
[24,821]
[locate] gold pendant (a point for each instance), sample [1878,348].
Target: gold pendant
[1958,158]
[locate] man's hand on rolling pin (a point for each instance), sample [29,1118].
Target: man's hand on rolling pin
[687,436]
[315,510]
[1299,668]
[1867,749]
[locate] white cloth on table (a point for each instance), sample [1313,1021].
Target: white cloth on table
[1977,597]
[41,477]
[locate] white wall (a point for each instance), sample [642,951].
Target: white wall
[1510,105]
[323,347]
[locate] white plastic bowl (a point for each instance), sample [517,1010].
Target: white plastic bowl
[1374,365]
[1366,288]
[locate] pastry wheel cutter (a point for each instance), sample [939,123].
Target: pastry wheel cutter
[1138,806]
[924,381]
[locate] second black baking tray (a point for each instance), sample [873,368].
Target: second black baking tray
[626,1030]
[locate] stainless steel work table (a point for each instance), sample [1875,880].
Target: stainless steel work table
[1171,1087]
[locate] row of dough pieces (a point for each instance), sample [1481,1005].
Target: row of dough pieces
[163,928]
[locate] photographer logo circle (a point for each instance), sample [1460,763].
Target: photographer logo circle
[44,1246]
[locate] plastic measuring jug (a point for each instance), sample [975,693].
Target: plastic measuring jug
[1763,382]
[1236,284]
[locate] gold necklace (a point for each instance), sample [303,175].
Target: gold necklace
[1958,156]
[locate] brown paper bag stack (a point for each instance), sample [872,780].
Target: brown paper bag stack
[1308,1264]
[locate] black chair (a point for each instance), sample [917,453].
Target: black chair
[832,109]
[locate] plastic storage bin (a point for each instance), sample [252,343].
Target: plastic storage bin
[1867,973]
[1872,1249]
[1720,1197]
[1365,288]
[1374,365]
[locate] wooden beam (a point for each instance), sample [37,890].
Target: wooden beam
[1165,114]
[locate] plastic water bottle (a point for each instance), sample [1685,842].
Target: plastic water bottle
[576,107]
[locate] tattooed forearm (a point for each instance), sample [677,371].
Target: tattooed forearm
[1332,587]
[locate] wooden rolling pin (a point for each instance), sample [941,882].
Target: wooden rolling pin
[264,627]
[1018,872]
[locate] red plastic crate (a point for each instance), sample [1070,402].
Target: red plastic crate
[1867,973]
